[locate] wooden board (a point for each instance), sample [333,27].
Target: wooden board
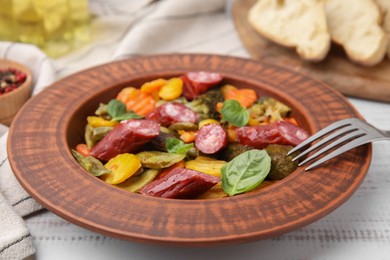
[336,70]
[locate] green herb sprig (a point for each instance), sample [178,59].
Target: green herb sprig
[117,111]
[234,113]
[175,145]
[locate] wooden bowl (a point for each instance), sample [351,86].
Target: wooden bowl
[53,122]
[11,102]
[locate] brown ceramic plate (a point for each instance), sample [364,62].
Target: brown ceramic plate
[53,122]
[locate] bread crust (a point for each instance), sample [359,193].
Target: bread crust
[356,26]
[300,24]
[384,8]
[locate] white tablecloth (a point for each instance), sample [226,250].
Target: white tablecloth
[359,229]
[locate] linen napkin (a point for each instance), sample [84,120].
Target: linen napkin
[137,28]
[15,202]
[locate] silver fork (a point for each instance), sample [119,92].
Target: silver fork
[352,131]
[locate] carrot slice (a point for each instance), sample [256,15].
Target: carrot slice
[82,149]
[187,136]
[127,94]
[246,97]
[139,102]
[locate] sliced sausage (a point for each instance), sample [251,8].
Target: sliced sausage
[291,134]
[196,83]
[126,137]
[281,132]
[170,113]
[210,139]
[180,183]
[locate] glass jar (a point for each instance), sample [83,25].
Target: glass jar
[56,26]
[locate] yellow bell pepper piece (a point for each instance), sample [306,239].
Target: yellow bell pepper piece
[153,86]
[172,90]
[122,167]
[206,165]
[253,122]
[216,192]
[207,122]
[231,135]
[96,121]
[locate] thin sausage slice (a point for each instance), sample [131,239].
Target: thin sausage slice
[126,137]
[198,82]
[170,113]
[210,139]
[281,132]
[180,183]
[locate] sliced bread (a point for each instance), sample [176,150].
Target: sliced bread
[384,7]
[356,26]
[300,24]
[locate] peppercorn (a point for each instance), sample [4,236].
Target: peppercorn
[11,79]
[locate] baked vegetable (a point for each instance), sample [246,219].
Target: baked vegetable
[184,147]
[122,167]
[159,160]
[206,104]
[268,109]
[281,164]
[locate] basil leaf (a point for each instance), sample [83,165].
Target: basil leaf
[245,172]
[117,111]
[175,145]
[125,116]
[91,164]
[115,108]
[234,113]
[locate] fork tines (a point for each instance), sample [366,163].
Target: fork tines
[335,134]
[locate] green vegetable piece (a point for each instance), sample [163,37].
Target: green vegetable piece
[270,108]
[117,111]
[192,153]
[136,183]
[245,172]
[281,164]
[175,145]
[234,113]
[232,150]
[102,110]
[186,126]
[205,104]
[159,160]
[93,135]
[91,164]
